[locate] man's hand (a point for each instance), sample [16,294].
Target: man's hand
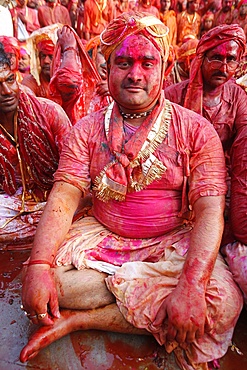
[22,18]
[39,295]
[185,311]
[66,38]
[102,88]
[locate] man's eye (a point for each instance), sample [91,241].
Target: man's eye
[148,65]
[123,64]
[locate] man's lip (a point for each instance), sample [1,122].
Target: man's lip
[134,88]
[8,100]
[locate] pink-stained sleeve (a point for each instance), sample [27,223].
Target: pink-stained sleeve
[84,153]
[238,203]
[202,154]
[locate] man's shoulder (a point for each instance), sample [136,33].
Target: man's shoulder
[92,122]
[30,82]
[176,92]
[231,88]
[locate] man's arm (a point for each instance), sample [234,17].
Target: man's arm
[185,308]
[39,292]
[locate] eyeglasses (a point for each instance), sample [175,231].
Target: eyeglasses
[217,64]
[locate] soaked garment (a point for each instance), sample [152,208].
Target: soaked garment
[143,243]
[227,118]
[236,252]
[25,181]
[74,89]
[87,152]
[50,15]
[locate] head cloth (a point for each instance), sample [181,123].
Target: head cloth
[42,40]
[131,23]
[214,37]
[44,44]
[11,45]
[187,49]
[241,2]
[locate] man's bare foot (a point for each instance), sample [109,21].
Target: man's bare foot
[45,335]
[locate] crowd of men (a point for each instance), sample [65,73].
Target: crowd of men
[122,153]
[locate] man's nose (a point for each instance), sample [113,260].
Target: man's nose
[136,72]
[47,59]
[4,89]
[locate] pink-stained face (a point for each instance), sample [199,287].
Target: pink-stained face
[135,73]
[45,63]
[9,90]
[214,76]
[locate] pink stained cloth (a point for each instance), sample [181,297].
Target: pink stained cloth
[238,205]
[150,271]
[79,85]
[141,287]
[192,152]
[50,15]
[42,127]
[230,116]
[235,255]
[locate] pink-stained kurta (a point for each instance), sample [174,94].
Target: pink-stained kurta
[228,117]
[42,127]
[148,234]
[31,16]
[236,252]
[87,153]
[50,15]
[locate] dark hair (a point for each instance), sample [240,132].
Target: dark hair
[4,59]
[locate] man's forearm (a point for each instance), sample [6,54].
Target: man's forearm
[55,221]
[205,241]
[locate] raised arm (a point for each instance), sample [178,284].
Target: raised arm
[39,293]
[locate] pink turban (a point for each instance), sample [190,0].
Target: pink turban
[11,45]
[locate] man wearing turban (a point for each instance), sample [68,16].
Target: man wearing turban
[241,14]
[225,14]
[146,259]
[41,44]
[212,92]
[32,131]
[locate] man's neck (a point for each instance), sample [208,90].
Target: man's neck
[211,96]
[45,78]
[7,121]
[190,12]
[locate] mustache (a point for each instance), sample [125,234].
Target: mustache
[220,74]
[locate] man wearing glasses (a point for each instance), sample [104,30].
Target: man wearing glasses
[212,92]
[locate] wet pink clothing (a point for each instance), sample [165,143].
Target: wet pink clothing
[50,15]
[42,127]
[31,16]
[239,186]
[144,240]
[190,139]
[236,253]
[228,117]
